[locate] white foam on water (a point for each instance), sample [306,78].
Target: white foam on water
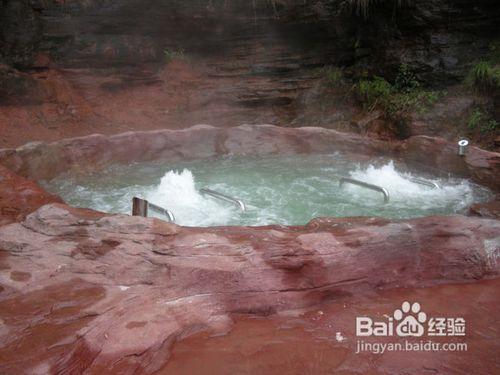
[280,191]
[177,192]
[406,193]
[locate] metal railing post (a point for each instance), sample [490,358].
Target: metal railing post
[237,202]
[424,182]
[380,189]
[140,207]
[162,211]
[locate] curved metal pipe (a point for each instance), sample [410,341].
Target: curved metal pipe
[380,189]
[163,211]
[140,207]
[237,202]
[425,182]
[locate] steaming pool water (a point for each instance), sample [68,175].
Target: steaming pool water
[289,190]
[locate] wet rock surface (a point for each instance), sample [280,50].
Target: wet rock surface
[323,340]
[447,119]
[20,196]
[435,155]
[86,292]
[40,160]
[489,209]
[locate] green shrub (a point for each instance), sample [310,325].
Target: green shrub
[490,126]
[373,92]
[484,76]
[396,101]
[416,100]
[475,119]
[482,121]
[334,76]
[402,97]
[406,80]
[171,55]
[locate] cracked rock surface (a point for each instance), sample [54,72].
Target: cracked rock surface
[85,292]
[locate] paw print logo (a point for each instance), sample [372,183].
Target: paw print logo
[410,320]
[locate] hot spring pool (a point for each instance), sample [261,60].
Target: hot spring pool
[289,190]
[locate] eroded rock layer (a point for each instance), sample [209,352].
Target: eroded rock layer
[86,292]
[267,38]
[46,160]
[20,197]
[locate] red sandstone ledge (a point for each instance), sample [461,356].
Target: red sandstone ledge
[20,196]
[91,293]
[46,160]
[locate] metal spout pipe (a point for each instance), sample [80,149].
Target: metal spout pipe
[380,189]
[462,147]
[140,207]
[237,202]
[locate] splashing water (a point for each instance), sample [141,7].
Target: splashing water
[177,191]
[277,190]
[403,192]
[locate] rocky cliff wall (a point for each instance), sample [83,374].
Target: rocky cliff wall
[438,38]
[235,62]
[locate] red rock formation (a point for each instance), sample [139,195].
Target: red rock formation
[322,340]
[490,209]
[440,156]
[20,196]
[47,160]
[83,292]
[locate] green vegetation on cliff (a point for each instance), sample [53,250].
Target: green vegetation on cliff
[484,75]
[405,95]
[482,121]
[171,55]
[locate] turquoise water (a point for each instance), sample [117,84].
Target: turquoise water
[289,190]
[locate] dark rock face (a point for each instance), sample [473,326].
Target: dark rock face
[126,40]
[268,48]
[437,39]
[95,33]
[20,32]
[112,33]
[447,119]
